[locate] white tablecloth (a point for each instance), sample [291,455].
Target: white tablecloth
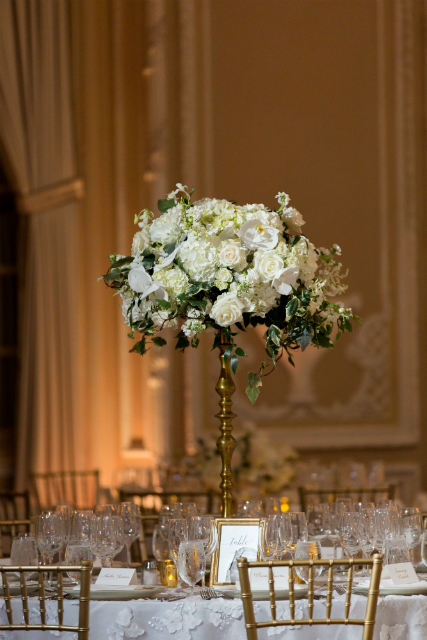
[398,618]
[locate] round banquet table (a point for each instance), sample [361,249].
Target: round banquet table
[398,618]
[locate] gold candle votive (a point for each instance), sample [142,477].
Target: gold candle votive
[168,573]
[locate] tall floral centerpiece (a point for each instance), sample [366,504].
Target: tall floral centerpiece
[213,264]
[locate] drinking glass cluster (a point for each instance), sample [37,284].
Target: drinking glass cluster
[186,537]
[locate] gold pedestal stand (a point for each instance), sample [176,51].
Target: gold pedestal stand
[225,388]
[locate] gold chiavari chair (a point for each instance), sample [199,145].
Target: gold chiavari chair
[79,489]
[82,629]
[368,621]
[358,494]
[202,498]
[8,530]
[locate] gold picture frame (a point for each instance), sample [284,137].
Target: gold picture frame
[237,523]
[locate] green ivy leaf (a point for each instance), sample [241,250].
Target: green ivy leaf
[122,262]
[196,287]
[159,342]
[139,347]
[164,205]
[291,308]
[240,352]
[183,341]
[275,334]
[164,304]
[252,390]
[201,304]
[227,352]
[169,248]
[234,362]
[305,338]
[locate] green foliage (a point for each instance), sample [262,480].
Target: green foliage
[253,388]
[159,342]
[164,205]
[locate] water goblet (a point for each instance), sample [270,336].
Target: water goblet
[105,510]
[249,509]
[298,530]
[178,532]
[165,514]
[360,506]
[80,527]
[269,537]
[160,545]
[75,554]
[307,550]
[191,562]
[343,504]
[349,533]
[395,550]
[24,550]
[130,514]
[272,507]
[203,529]
[107,538]
[50,536]
[318,520]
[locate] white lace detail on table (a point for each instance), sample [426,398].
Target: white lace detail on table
[392,633]
[181,619]
[222,612]
[283,613]
[124,627]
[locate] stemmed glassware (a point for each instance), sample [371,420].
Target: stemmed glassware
[307,550]
[318,525]
[249,509]
[81,527]
[269,538]
[160,545]
[349,533]
[50,535]
[178,532]
[105,510]
[293,528]
[107,538]
[130,514]
[272,507]
[191,562]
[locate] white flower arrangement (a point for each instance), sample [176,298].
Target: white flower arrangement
[213,264]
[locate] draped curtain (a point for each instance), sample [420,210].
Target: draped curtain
[37,135]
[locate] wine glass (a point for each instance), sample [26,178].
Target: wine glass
[178,532]
[130,514]
[191,562]
[107,538]
[165,514]
[349,533]
[105,510]
[80,527]
[203,529]
[360,506]
[386,524]
[307,550]
[317,520]
[411,529]
[297,530]
[184,509]
[249,509]
[160,545]
[343,504]
[75,554]
[50,536]
[395,550]
[272,507]
[269,538]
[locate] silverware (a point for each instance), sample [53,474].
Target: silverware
[207,593]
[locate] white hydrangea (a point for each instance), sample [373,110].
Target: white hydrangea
[139,308]
[260,300]
[174,280]
[199,258]
[166,229]
[293,220]
[160,319]
[216,215]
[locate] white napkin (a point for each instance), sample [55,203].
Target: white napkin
[5,562]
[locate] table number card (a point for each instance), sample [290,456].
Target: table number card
[117,577]
[402,573]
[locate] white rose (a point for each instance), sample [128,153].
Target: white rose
[141,282]
[287,279]
[232,254]
[268,264]
[224,275]
[227,309]
[140,241]
[256,235]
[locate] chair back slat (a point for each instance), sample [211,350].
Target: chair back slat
[9,529]
[310,592]
[6,596]
[60,599]
[367,622]
[24,596]
[271,591]
[291,591]
[42,598]
[348,594]
[329,590]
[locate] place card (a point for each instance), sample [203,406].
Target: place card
[117,577]
[402,573]
[258,577]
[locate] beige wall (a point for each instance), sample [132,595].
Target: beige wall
[242,98]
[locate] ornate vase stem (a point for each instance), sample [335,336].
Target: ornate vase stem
[225,388]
